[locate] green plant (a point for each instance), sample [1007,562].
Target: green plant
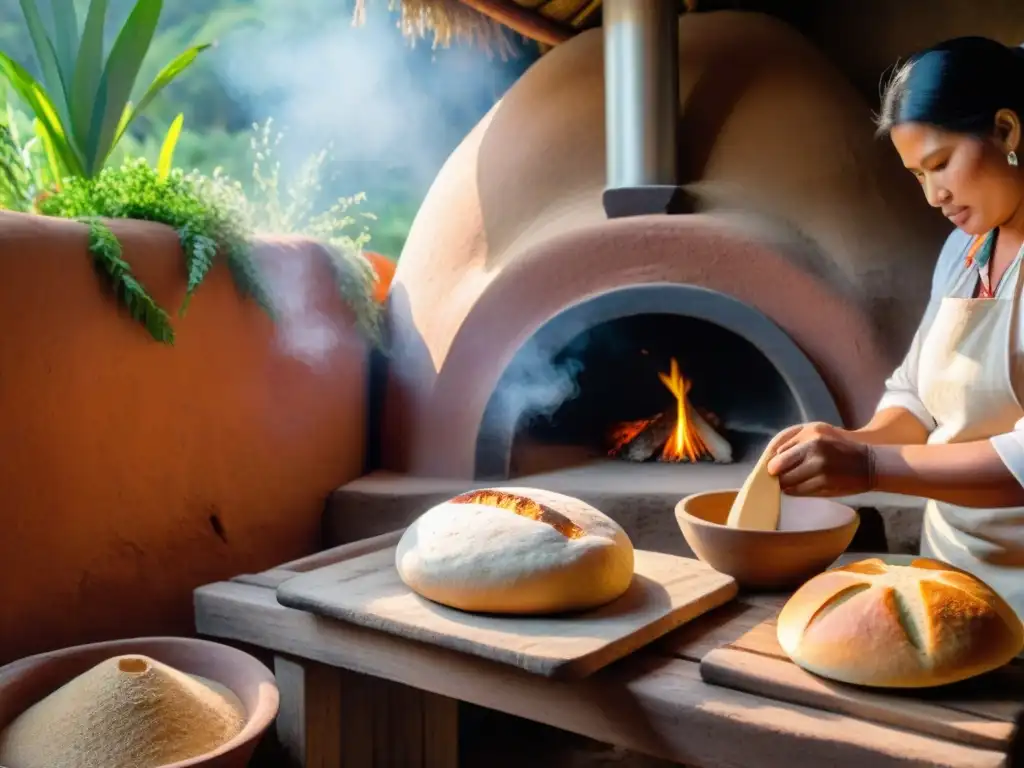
[85,108]
[15,178]
[207,230]
[275,205]
[24,170]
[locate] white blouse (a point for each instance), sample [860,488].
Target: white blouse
[952,278]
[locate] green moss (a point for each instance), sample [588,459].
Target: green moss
[215,218]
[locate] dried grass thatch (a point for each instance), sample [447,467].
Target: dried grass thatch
[495,24]
[447,21]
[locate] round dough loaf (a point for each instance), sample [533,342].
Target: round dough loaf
[516,551]
[910,626]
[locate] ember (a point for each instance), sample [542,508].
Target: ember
[679,434]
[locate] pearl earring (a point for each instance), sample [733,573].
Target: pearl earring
[1011,158]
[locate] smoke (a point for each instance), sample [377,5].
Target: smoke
[534,386]
[383,106]
[303,332]
[388,113]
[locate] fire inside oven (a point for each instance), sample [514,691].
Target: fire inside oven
[660,388]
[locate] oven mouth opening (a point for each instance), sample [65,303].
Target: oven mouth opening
[664,374]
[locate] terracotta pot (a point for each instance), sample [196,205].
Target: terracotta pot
[384,268]
[26,682]
[137,471]
[812,534]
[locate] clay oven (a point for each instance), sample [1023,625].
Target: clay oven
[693,236]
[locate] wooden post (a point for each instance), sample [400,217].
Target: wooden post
[334,718]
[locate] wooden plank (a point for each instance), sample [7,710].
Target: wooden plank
[271,579]
[309,720]
[667,591]
[715,629]
[650,704]
[781,679]
[334,718]
[344,552]
[998,695]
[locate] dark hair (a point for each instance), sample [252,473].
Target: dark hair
[958,86]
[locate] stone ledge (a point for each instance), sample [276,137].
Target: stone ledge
[641,498]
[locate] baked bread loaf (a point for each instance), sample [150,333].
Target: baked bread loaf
[515,551]
[911,626]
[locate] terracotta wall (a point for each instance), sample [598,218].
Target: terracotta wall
[132,472]
[775,143]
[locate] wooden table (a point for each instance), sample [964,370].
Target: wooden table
[358,698]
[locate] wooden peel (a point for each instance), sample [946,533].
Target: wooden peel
[758,505]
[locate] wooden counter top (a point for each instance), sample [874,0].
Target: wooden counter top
[654,701]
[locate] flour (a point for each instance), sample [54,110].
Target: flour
[127,712]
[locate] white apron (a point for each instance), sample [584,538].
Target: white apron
[966,373]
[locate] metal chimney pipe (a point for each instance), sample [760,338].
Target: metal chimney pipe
[641,73]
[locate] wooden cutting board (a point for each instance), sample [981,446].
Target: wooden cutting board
[981,712]
[667,591]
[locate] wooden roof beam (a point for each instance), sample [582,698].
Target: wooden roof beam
[523,21]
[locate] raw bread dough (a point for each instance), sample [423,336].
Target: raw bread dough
[516,551]
[758,505]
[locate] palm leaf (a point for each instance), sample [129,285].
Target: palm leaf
[166,159]
[164,78]
[47,57]
[32,93]
[14,175]
[88,67]
[53,161]
[118,80]
[65,24]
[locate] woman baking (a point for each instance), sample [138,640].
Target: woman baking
[950,426]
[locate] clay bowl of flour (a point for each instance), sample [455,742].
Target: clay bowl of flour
[248,684]
[811,534]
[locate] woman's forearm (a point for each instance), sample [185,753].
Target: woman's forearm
[966,474]
[892,426]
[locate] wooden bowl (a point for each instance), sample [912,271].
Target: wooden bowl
[25,682]
[812,534]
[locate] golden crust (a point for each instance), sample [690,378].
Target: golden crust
[523,506]
[869,623]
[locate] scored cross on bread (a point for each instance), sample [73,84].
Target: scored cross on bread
[900,626]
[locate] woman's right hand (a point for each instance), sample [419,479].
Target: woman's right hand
[818,459]
[805,433]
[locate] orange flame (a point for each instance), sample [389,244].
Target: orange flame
[686,443]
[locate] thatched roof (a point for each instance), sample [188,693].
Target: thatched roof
[494,23]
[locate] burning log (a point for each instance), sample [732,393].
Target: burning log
[717,446]
[641,440]
[681,434]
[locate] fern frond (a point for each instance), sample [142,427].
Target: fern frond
[108,260]
[354,277]
[248,280]
[200,251]
[208,224]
